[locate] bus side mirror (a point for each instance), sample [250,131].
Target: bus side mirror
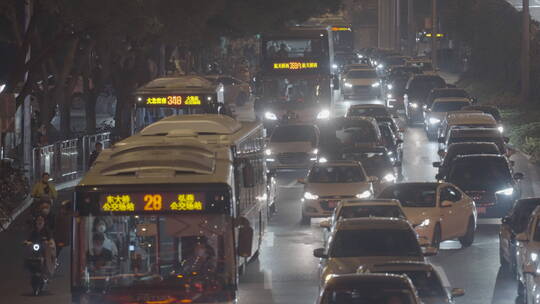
[248,175]
[335,82]
[245,237]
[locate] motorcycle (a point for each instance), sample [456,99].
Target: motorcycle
[41,263]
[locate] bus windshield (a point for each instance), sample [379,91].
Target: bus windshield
[289,48]
[155,251]
[147,116]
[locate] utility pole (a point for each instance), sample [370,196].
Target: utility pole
[398,26]
[525,54]
[411,36]
[434,32]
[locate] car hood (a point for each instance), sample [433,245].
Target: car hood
[337,189]
[483,186]
[296,146]
[439,115]
[361,81]
[417,215]
[350,265]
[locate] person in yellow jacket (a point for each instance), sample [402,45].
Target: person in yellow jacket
[44,189]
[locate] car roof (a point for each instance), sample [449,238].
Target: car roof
[372,105]
[450,99]
[476,118]
[464,145]
[354,280]
[473,156]
[373,223]
[466,132]
[370,202]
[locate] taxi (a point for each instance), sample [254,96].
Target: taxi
[330,182]
[437,211]
[475,119]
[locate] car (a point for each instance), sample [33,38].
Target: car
[436,112]
[465,119]
[493,111]
[361,84]
[328,183]
[416,92]
[367,242]
[235,90]
[357,66]
[392,142]
[292,147]
[359,208]
[528,252]
[512,224]
[394,85]
[390,62]
[459,134]
[437,211]
[377,162]
[464,148]
[447,92]
[487,179]
[431,286]
[368,288]
[369,110]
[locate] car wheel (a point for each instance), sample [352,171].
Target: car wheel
[306,220]
[468,239]
[436,239]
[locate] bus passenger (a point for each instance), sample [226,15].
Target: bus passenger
[99,257]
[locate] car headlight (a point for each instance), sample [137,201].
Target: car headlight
[414,105]
[324,114]
[500,128]
[268,152]
[365,194]
[507,191]
[348,85]
[270,116]
[328,277]
[424,223]
[322,160]
[310,196]
[315,151]
[334,66]
[376,85]
[380,66]
[433,120]
[389,96]
[389,86]
[36,247]
[389,177]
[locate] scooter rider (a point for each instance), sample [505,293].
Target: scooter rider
[42,262]
[44,189]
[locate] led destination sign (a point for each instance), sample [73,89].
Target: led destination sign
[172,100]
[295,65]
[153,202]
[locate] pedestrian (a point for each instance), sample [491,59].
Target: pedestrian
[44,189]
[94,155]
[63,226]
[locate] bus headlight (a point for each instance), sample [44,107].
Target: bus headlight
[434,121]
[507,191]
[365,194]
[324,114]
[270,116]
[348,85]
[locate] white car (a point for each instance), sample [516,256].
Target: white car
[361,84]
[292,147]
[367,242]
[368,288]
[465,119]
[527,260]
[432,287]
[328,183]
[437,211]
[434,114]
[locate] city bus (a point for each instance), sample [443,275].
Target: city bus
[175,95]
[185,203]
[343,33]
[296,78]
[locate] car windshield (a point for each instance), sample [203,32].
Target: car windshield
[480,171]
[153,251]
[336,174]
[354,131]
[375,164]
[294,134]
[474,139]
[370,211]
[455,151]
[368,293]
[427,283]
[412,195]
[449,106]
[361,74]
[364,111]
[374,242]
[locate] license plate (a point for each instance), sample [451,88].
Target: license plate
[332,204]
[481,210]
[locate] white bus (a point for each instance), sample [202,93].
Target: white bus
[172,214]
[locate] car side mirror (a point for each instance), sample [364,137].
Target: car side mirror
[320,253]
[446,204]
[429,251]
[325,224]
[522,237]
[436,164]
[245,237]
[519,176]
[457,292]
[441,140]
[301,181]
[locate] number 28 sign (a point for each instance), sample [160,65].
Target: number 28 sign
[152,202]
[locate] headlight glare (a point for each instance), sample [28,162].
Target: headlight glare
[270,116]
[376,85]
[365,194]
[507,191]
[424,223]
[433,120]
[414,105]
[348,85]
[324,114]
[389,177]
[310,196]
[268,152]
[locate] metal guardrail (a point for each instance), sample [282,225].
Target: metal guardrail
[66,160]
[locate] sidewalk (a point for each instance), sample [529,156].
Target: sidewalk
[28,201]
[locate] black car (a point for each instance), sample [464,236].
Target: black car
[416,93]
[394,85]
[487,179]
[464,148]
